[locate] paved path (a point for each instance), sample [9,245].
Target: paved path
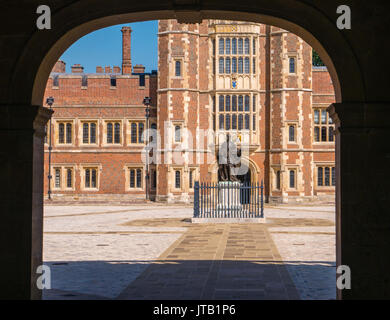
[139,252]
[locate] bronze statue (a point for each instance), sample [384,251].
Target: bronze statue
[224,162]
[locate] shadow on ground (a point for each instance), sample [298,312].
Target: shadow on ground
[191,280]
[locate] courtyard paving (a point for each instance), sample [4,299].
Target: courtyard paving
[154,252]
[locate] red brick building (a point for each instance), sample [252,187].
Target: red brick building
[251,81]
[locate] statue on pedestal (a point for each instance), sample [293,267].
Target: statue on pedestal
[225,164]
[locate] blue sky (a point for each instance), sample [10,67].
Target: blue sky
[104,47]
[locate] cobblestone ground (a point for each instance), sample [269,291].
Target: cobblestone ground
[153,252]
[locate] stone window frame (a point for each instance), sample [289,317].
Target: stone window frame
[121,138]
[173,172]
[176,123]
[128,131]
[178,58]
[296,56]
[297,170]
[324,164]
[134,166]
[288,124]
[56,132]
[81,130]
[83,168]
[63,176]
[328,124]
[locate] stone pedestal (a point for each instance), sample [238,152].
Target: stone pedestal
[229,198]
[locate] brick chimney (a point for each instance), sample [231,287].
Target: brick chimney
[116,69]
[59,67]
[139,68]
[107,69]
[126,50]
[99,69]
[77,68]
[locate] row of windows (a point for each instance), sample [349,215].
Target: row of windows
[64,178]
[326,176]
[236,122]
[89,132]
[84,81]
[236,65]
[235,103]
[234,46]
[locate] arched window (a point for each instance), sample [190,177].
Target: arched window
[246,46]
[247,121]
[291,133]
[221,62]
[240,44]
[227,103]
[234,65]
[278,180]
[61,133]
[292,65]
[292,179]
[133,133]
[117,133]
[177,179]
[221,122]
[234,103]
[140,132]
[109,132]
[254,122]
[234,121]
[69,178]
[177,133]
[247,103]
[234,46]
[213,44]
[320,176]
[323,134]
[333,176]
[227,122]
[85,133]
[254,66]
[93,133]
[316,134]
[246,65]
[240,103]
[132,178]
[227,65]
[254,103]
[254,45]
[327,176]
[139,178]
[87,178]
[221,46]
[178,68]
[227,51]
[221,103]
[68,133]
[240,65]
[240,120]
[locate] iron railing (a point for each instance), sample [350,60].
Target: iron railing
[228,200]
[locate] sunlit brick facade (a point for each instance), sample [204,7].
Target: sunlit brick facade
[251,81]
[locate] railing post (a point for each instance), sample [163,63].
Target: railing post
[262,200]
[196,199]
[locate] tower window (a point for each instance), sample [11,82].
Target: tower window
[221,65]
[177,179]
[292,65]
[292,179]
[113,81]
[221,46]
[291,133]
[178,68]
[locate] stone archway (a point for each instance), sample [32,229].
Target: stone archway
[361,117]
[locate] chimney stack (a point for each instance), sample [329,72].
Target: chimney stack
[59,67]
[77,68]
[107,69]
[139,68]
[99,69]
[126,50]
